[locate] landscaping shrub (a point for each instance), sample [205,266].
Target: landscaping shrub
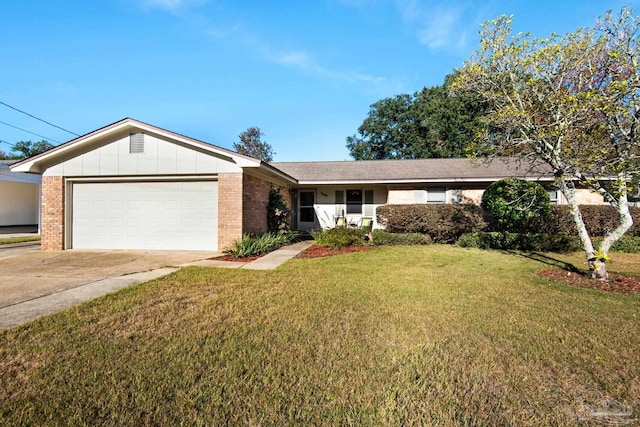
[519,241]
[445,223]
[598,219]
[382,237]
[277,212]
[250,245]
[339,237]
[516,205]
[627,244]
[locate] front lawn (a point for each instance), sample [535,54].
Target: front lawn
[429,335]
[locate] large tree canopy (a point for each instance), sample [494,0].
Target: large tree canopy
[252,145]
[25,149]
[432,123]
[570,101]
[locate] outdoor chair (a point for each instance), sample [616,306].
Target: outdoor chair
[366,224]
[341,221]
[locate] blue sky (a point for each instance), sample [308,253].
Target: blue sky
[305,72]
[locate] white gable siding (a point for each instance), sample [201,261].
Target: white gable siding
[160,157]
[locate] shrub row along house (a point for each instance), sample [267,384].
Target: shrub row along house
[131,185]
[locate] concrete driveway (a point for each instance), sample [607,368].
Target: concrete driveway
[27,273]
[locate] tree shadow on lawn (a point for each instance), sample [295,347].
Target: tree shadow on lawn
[569,274]
[553,262]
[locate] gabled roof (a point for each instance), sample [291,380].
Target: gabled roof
[410,171]
[38,163]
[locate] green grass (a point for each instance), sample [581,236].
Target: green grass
[429,335]
[10,240]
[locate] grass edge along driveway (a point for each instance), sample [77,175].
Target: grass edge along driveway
[403,335]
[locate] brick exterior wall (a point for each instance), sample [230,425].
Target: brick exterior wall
[52,219]
[255,199]
[229,208]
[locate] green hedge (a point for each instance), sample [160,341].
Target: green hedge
[599,220]
[523,242]
[445,223]
[339,237]
[381,237]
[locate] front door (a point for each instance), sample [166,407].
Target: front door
[306,211]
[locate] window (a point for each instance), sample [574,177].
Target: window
[436,195]
[354,201]
[136,143]
[553,196]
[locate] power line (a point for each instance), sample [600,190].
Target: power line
[8,143]
[33,133]
[37,118]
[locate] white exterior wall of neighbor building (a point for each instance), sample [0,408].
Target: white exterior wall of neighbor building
[160,157]
[19,197]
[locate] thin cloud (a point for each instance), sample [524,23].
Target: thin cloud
[305,62]
[439,25]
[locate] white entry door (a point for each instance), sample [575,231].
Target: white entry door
[180,215]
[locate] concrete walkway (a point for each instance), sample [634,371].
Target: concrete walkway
[26,311]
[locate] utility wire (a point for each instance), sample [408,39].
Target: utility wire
[37,118]
[33,133]
[8,143]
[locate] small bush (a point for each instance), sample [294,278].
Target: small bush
[518,241]
[339,237]
[278,214]
[381,237]
[445,223]
[250,245]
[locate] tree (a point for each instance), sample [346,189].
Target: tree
[251,145]
[25,149]
[570,101]
[431,123]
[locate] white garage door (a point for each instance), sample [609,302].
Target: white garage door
[145,215]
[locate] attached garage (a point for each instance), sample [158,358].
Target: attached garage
[134,186]
[174,215]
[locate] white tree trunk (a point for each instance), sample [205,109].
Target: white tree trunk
[596,268]
[626,221]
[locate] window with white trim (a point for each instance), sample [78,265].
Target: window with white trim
[436,195]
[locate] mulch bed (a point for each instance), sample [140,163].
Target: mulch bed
[616,284]
[316,251]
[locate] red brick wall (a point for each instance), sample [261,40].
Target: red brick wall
[229,208]
[255,197]
[52,220]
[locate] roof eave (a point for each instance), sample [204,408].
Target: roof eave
[413,181]
[33,164]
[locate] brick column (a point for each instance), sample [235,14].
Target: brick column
[229,208]
[52,221]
